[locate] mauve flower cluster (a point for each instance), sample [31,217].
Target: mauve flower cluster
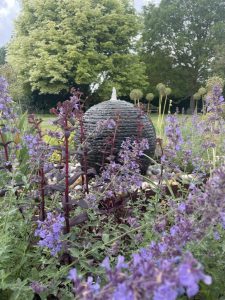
[204,142]
[50,231]
[82,288]
[175,141]
[6,103]
[122,177]
[143,278]
[108,125]
[9,133]
[38,150]
[215,100]
[213,125]
[68,110]
[173,133]
[37,287]
[161,270]
[39,157]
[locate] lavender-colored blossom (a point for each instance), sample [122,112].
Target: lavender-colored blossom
[173,133]
[37,287]
[190,273]
[73,275]
[222,217]
[123,292]
[85,291]
[214,101]
[216,235]
[106,264]
[7,111]
[121,262]
[165,292]
[124,176]
[50,231]
[174,144]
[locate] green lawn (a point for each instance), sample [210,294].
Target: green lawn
[47,121]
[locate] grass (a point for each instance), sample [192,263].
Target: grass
[47,122]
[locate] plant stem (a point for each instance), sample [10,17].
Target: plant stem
[42,187]
[84,159]
[66,206]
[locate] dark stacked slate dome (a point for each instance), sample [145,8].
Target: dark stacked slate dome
[129,126]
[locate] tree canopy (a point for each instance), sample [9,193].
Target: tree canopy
[179,42]
[219,62]
[58,44]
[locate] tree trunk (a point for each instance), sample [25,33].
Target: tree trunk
[192,104]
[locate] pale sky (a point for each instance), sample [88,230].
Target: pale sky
[9,10]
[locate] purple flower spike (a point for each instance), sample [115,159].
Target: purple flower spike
[165,292]
[123,292]
[106,264]
[50,231]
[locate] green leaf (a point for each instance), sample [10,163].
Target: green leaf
[75,252]
[105,238]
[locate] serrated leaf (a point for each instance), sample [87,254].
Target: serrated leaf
[75,252]
[105,238]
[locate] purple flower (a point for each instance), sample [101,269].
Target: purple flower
[182,207]
[85,291]
[106,264]
[73,275]
[37,287]
[120,262]
[124,176]
[216,235]
[174,142]
[165,292]
[222,217]
[6,103]
[190,273]
[123,292]
[50,231]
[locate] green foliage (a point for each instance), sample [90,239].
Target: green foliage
[17,89]
[179,42]
[212,81]
[61,43]
[16,257]
[2,55]
[219,62]
[211,253]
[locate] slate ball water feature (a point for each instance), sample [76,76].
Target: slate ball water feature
[132,123]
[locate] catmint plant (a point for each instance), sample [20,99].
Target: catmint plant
[163,270]
[7,123]
[49,231]
[120,178]
[213,124]
[66,112]
[39,154]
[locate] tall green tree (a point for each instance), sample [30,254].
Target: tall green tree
[219,61]
[58,44]
[179,41]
